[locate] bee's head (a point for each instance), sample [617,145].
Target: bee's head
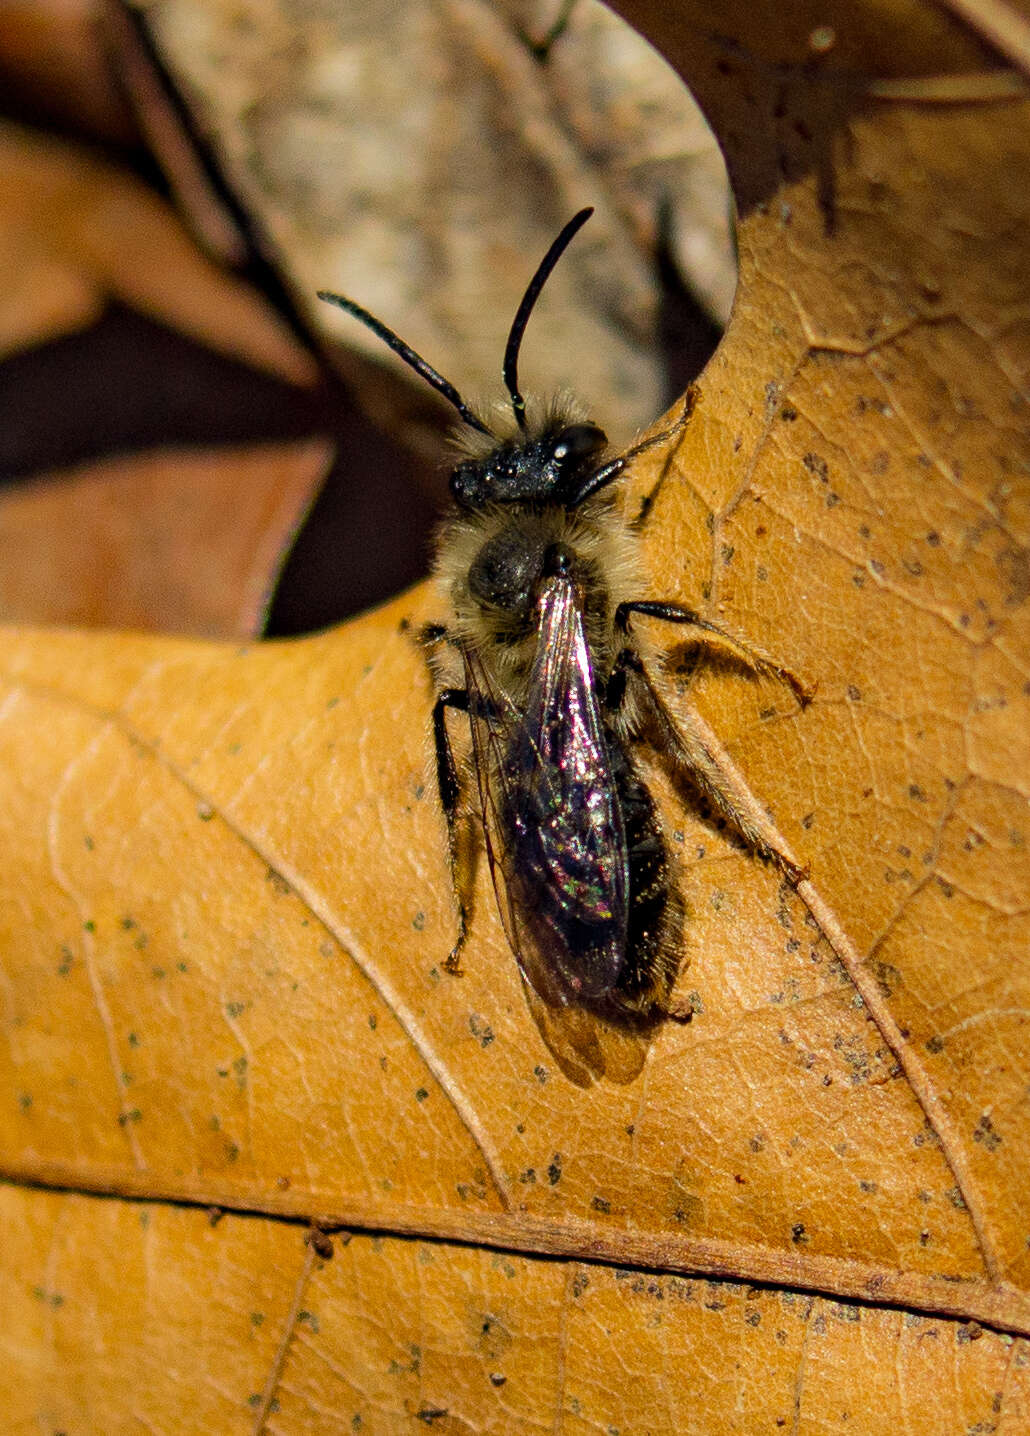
[556,462]
[548,468]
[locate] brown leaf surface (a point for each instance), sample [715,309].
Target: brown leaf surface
[224,901]
[175,539]
[184,541]
[53,68]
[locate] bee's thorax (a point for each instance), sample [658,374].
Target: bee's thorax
[491,565]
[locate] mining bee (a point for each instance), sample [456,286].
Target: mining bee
[539,571]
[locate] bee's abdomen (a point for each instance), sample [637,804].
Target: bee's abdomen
[644,979]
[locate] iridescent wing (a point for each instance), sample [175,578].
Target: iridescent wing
[552,815]
[492,719]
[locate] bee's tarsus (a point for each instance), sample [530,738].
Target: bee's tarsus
[794,873]
[804,694]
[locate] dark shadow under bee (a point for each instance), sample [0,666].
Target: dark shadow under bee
[538,570]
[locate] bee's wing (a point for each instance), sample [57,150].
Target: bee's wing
[493,720]
[554,825]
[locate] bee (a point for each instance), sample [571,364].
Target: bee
[539,570]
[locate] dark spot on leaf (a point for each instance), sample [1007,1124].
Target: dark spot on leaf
[481,1030]
[985,1134]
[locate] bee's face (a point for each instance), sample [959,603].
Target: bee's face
[547,468]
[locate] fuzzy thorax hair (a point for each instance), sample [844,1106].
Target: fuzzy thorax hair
[504,638]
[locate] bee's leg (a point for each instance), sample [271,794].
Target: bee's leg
[431,634]
[709,633]
[450,798]
[603,476]
[691,754]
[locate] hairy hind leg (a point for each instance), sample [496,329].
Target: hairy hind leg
[707,634]
[691,755]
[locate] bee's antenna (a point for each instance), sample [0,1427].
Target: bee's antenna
[525,309]
[413,360]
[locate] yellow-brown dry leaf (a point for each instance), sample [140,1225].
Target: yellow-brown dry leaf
[184,1321]
[224,903]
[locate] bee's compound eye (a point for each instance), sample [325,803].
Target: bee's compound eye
[579,441]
